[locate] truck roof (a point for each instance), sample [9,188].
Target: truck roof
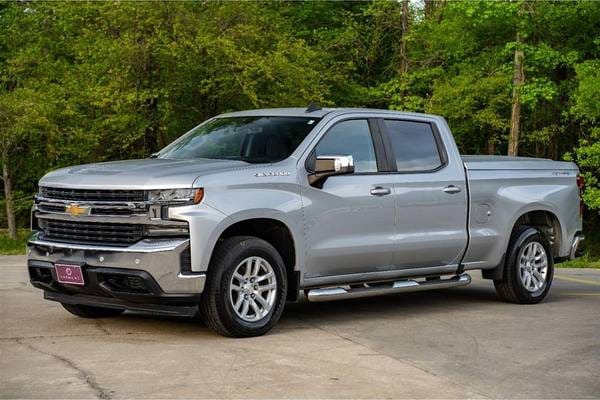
[318,113]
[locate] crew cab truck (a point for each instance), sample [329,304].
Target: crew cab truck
[250,209]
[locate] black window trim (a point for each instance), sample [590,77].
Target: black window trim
[376,138]
[391,157]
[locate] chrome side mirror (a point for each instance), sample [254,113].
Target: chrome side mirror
[330,165]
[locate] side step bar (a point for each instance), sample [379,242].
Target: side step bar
[404,286]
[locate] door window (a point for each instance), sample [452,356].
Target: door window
[350,138]
[414,145]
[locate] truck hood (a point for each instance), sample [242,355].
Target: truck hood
[152,173]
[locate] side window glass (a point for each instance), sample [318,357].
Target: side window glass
[414,145]
[350,138]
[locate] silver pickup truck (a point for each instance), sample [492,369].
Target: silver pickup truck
[249,209]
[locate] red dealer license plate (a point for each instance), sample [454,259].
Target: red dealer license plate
[67,273]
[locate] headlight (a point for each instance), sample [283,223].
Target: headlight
[175,196]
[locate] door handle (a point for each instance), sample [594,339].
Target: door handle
[380,191]
[451,189]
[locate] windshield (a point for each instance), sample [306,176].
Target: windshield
[250,139]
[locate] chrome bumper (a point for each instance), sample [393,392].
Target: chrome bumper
[161,258]
[576,242]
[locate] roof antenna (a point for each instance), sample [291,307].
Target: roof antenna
[312,107]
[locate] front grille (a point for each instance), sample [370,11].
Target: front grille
[75,231]
[125,283]
[60,208]
[114,211]
[92,195]
[185,260]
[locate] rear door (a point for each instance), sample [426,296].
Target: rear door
[430,195]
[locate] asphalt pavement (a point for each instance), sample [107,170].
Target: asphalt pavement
[454,343]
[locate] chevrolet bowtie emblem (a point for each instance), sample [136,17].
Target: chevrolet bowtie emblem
[76,210]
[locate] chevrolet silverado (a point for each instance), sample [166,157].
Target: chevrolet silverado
[252,209]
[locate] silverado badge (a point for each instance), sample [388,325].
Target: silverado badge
[76,210]
[272,173]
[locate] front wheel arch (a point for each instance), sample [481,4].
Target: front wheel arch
[216,308]
[275,232]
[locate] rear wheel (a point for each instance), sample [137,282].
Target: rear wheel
[529,268]
[92,312]
[246,288]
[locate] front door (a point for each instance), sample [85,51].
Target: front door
[350,221]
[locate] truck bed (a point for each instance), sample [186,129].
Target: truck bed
[501,189]
[473,162]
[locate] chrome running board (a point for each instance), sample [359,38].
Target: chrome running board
[404,286]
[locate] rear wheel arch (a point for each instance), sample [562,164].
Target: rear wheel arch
[528,269]
[544,221]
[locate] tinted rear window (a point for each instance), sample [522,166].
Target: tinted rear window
[414,145]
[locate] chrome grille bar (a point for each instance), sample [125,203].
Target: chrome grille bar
[92,195]
[91,231]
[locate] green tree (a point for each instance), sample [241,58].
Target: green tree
[97,81]
[586,107]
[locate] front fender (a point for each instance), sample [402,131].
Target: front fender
[278,201]
[291,220]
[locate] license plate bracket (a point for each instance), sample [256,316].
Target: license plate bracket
[70,274]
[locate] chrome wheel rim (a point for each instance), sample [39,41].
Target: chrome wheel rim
[252,289]
[533,266]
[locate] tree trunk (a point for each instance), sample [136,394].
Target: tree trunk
[429,7]
[10,207]
[491,146]
[515,118]
[433,8]
[403,55]
[152,139]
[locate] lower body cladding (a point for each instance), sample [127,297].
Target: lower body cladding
[151,275]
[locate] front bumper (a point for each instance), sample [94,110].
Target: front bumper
[165,262]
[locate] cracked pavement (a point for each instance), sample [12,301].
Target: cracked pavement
[455,343]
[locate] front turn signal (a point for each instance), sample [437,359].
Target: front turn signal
[198,195]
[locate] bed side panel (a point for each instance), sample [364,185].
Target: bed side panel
[499,197]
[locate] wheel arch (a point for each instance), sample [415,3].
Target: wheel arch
[537,216]
[546,221]
[274,231]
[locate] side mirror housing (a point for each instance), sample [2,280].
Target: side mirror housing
[329,165]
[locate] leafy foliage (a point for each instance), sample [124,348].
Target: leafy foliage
[94,81]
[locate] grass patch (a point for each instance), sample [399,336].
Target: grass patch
[590,249]
[582,262]
[16,246]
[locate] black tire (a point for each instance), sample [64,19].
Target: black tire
[511,287]
[92,312]
[216,308]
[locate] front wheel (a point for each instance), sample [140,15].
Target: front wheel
[246,288]
[529,268]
